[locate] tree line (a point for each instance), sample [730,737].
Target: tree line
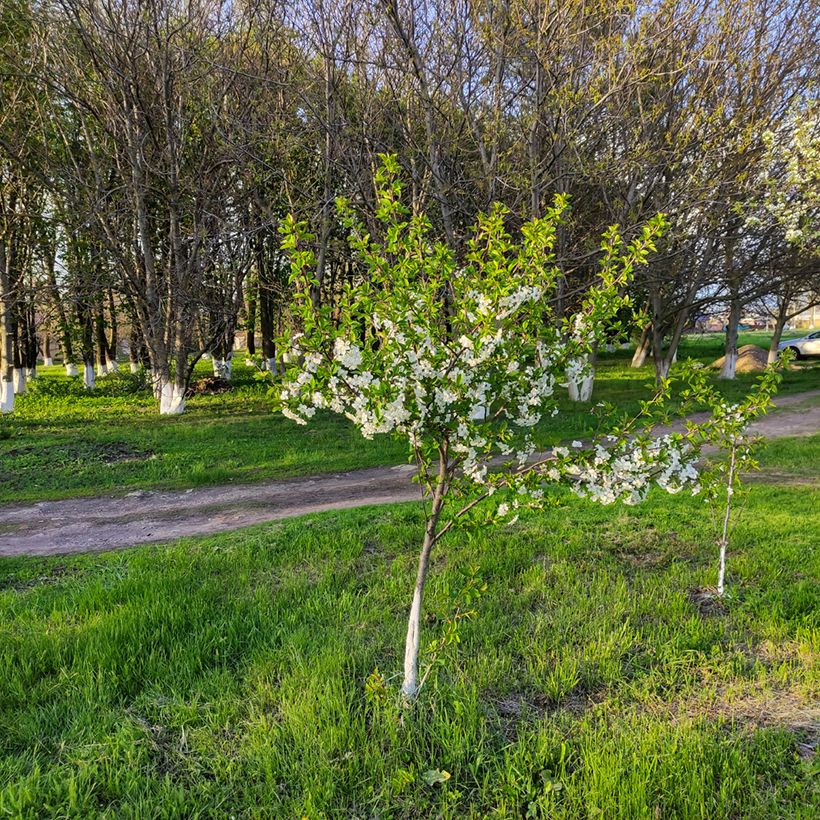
[151,149]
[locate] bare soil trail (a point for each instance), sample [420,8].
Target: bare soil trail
[111,522]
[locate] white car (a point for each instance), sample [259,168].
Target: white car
[808,345]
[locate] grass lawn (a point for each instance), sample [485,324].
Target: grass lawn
[62,442]
[225,677]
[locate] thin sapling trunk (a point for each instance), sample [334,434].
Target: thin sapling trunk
[410,686]
[724,536]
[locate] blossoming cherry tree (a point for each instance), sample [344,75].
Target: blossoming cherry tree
[461,356]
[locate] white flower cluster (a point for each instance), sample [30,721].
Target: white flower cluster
[464,360]
[626,471]
[433,384]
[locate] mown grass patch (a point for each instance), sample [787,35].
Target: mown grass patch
[226,676]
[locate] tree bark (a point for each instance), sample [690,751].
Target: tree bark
[642,350]
[779,324]
[730,355]
[250,318]
[411,649]
[7,331]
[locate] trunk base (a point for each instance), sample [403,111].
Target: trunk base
[19,381]
[171,400]
[6,396]
[729,366]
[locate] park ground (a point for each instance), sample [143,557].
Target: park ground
[233,675]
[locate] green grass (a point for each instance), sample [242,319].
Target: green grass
[225,676]
[62,442]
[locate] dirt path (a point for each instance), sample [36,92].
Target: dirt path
[90,524]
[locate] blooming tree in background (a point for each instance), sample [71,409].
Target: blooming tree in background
[462,357]
[792,178]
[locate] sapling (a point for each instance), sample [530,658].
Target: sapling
[727,429]
[461,357]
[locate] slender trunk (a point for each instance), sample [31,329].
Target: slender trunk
[779,324]
[642,350]
[48,359]
[172,393]
[134,349]
[7,331]
[63,326]
[267,318]
[658,332]
[581,378]
[411,649]
[102,343]
[250,320]
[724,538]
[111,347]
[87,324]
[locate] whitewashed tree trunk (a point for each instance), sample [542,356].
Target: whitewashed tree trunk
[662,367]
[730,357]
[135,367]
[727,371]
[642,350]
[112,365]
[31,373]
[410,686]
[89,380]
[6,396]
[272,365]
[580,380]
[724,536]
[223,368]
[48,362]
[71,369]
[721,584]
[19,381]
[171,400]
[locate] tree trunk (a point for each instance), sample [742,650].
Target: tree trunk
[642,350]
[580,383]
[779,324]
[87,344]
[267,308]
[111,347]
[250,319]
[730,356]
[102,342]
[410,686]
[7,357]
